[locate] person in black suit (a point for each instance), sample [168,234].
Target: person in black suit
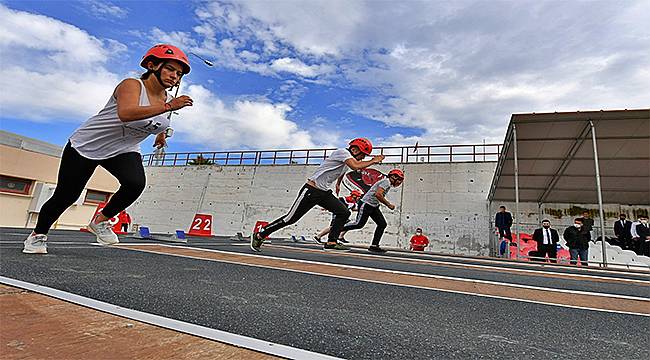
[503,222]
[547,240]
[643,230]
[622,231]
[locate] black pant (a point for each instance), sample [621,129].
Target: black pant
[367,211]
[75,171]
[546,249]
[308,197]
[505,233]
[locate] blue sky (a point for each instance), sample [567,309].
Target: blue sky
[301,74]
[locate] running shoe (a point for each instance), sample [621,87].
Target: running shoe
[256,244]
[376,249]
[104,233]
[35,244]
[335,247]
[343,241]
[317,239]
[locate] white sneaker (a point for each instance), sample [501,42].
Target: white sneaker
[35,244]
[104,232]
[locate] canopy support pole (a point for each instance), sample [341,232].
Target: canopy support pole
[600,193]
[514,134]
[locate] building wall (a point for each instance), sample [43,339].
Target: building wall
[40,167]
[447,200]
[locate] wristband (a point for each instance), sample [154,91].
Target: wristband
[168,107]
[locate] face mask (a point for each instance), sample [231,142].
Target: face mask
[546,226]
[577,225]
[644,222]
[418,233]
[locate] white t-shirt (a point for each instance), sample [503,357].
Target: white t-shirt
[370,198]
[105,136]
[330,170]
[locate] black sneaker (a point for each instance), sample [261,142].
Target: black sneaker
[256,244]
[317,239]
[376,249]
[343,241]
[337,247]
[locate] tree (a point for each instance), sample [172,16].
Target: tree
[200,160]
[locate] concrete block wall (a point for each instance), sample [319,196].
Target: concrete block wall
[447,200]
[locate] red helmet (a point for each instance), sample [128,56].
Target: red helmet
[356,193]
[363,144]
[397,172]
[166,52]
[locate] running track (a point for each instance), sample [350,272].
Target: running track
[295,300]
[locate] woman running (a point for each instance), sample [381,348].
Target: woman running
[369,208]
[317,192]
[111,139]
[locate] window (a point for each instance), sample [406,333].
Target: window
[15,185]
[96,197]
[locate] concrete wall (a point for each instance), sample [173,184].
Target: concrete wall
[447,200]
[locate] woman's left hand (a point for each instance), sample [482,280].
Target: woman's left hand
[161,140]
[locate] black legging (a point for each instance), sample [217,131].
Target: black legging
[75,171]
[368,211]
[308,197]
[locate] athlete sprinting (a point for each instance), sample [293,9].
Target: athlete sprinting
[351,202]
[111,139]
[369,208]
[316,192]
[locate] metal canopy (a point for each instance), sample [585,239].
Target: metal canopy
[555,157]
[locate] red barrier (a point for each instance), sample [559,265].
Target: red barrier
[201,225]
[259,225]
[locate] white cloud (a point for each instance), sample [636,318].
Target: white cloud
[244,123]
[455,70]
[102,9]
[47,65]
[295,66]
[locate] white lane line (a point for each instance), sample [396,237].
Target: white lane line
[482,267]
[181,326]
[415,286]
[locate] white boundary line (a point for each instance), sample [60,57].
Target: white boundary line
[181,326]
[639,269]
[489,267]
[415,274]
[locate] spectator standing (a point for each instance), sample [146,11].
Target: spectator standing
[587,224]
[577,242]
[419,241]
[622,229]
[644,235]
[547,240]
[125,221]
[503,222]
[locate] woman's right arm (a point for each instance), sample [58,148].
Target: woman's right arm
[128,103]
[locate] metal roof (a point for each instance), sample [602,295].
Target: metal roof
[556,158]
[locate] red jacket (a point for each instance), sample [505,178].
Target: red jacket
[124,217]
[419,242]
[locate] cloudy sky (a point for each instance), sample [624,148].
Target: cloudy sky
[299,74]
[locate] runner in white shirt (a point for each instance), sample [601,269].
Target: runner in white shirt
[316,192]
[111,139]
[369,208]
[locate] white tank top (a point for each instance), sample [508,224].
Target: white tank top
[104,135]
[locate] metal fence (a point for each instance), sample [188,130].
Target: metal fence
[394,154]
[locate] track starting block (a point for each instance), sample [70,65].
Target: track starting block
[144,232]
